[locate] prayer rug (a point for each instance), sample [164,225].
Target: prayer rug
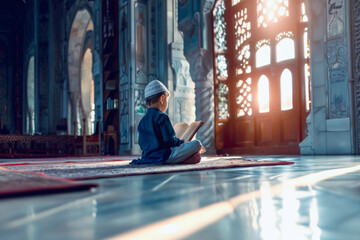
[35,161]
[14,183]
[93,170]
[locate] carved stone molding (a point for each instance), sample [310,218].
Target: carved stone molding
[183,91]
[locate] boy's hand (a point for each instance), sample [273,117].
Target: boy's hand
[202,150]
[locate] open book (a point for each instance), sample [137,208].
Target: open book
[185,131]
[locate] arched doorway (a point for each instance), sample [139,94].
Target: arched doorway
[261,58]
[81,86]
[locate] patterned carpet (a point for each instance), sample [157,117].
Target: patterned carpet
[45,160]
[18,183]
[105,169]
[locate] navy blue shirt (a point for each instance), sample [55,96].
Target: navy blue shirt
[156,137]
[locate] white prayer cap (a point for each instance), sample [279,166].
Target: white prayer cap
[154,87]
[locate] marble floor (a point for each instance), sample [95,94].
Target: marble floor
[316,198]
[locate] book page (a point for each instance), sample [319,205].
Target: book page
[191,131]
[179,129]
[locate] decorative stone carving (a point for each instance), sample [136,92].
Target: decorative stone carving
[337,60]
[124,117]
[337,74]
[141,43]
[123,38]
[356,34]
[336,15]
[181,67]
[183,91]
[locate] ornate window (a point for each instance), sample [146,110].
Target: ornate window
[244,98]
[262,87]
[285,48]
[220,27]
[286,89]
[242,34]
[221,66]
[263,94]
[243,58]
[269,11]
[223,106]
[242,27]
[304,17]
[263,50]
[221,61]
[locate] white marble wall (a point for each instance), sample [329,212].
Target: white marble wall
[329,133]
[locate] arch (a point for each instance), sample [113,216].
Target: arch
[74,9]
[263,94]
[286,89]
[81,29]
[285,49]
[263,56]
[76,41]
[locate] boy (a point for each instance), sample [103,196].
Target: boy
[157,137]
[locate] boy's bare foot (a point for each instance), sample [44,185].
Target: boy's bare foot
[193,159]
[202,150]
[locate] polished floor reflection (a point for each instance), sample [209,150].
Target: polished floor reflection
[316,198]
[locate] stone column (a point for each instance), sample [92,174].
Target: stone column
[194,24]
[200,62]
[75,110]
[31,121]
